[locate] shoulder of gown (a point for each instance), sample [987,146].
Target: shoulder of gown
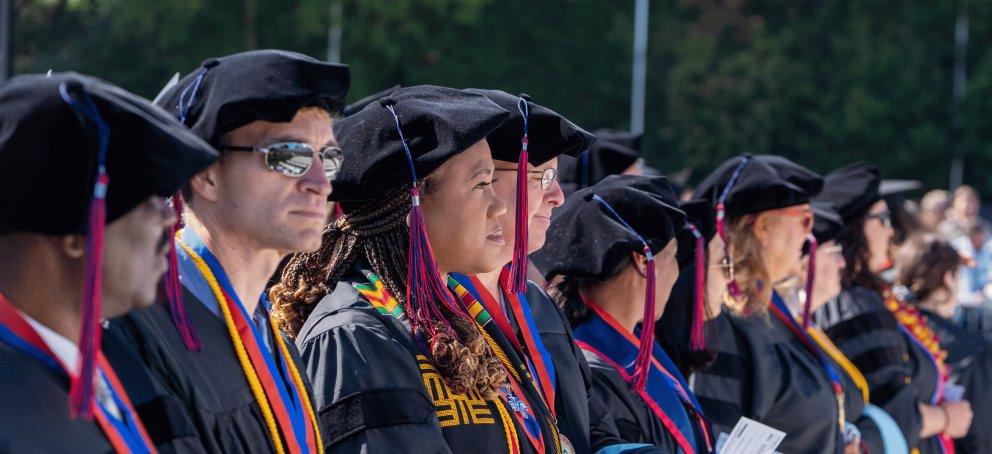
[858,322]
[34,414]
[583,415]
[368,389]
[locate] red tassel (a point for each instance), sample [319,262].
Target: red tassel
[642,364]
[425,286]
[81,389]
[173,287]
[810,273]
[518,267]
[697,340]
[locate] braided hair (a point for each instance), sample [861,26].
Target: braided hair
[377,233]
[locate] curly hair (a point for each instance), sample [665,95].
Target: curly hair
[857,255]
[377,234]
[749,268]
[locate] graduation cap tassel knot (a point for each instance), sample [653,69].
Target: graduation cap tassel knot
[810,274]
[424,283]
[697,340]
[518,266]
[173,287]
[81,389]
[642,362]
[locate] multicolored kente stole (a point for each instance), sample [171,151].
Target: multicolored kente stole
[449,407]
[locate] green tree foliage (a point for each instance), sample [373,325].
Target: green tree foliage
[823,81]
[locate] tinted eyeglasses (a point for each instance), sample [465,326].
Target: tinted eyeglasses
[294,159]
[885,217]
[548,176]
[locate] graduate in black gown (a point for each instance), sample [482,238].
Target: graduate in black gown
[875,429]
[232,377]
[767,367]
[522,311]
[398,362]
[926,270]
[84,232]
[681,330]
[612,249]
[900,370]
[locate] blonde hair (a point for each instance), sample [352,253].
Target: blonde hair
[750,271]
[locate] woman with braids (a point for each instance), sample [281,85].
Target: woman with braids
[875,329]
[611,251]
[397,362]
[927,269]
[767,367]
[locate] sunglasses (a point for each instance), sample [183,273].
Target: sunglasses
[548,176]
[885,217]
[294,159]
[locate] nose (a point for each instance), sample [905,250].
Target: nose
[315,181]
[554,196]
[497,207]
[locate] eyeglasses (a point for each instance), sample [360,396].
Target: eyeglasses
[548,176]
[294,159]
[885,217]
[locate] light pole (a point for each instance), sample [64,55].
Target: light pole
[640,67]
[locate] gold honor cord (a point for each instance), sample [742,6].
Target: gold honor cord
[852,371]
[246,366]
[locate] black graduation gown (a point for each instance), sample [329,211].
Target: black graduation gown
[34,410]
[970,358]
[215,395]
[635,422]
[376,393]
[898,372]
[583,414]
[764,373]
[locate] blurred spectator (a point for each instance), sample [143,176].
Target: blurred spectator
[970,235]
[933,208]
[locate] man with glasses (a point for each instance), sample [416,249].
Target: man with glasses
[231,380]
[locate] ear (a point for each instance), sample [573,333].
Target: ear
[640,263]
[205,184]
[950,279]
[73,246]
[762,228]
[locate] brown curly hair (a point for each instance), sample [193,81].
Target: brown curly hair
[923,261]
[377,234]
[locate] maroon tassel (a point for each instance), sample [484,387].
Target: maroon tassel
[810,273]
[642,363]
[81,388]
[518,266]
[425,286]
[173,287]
[697,339]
